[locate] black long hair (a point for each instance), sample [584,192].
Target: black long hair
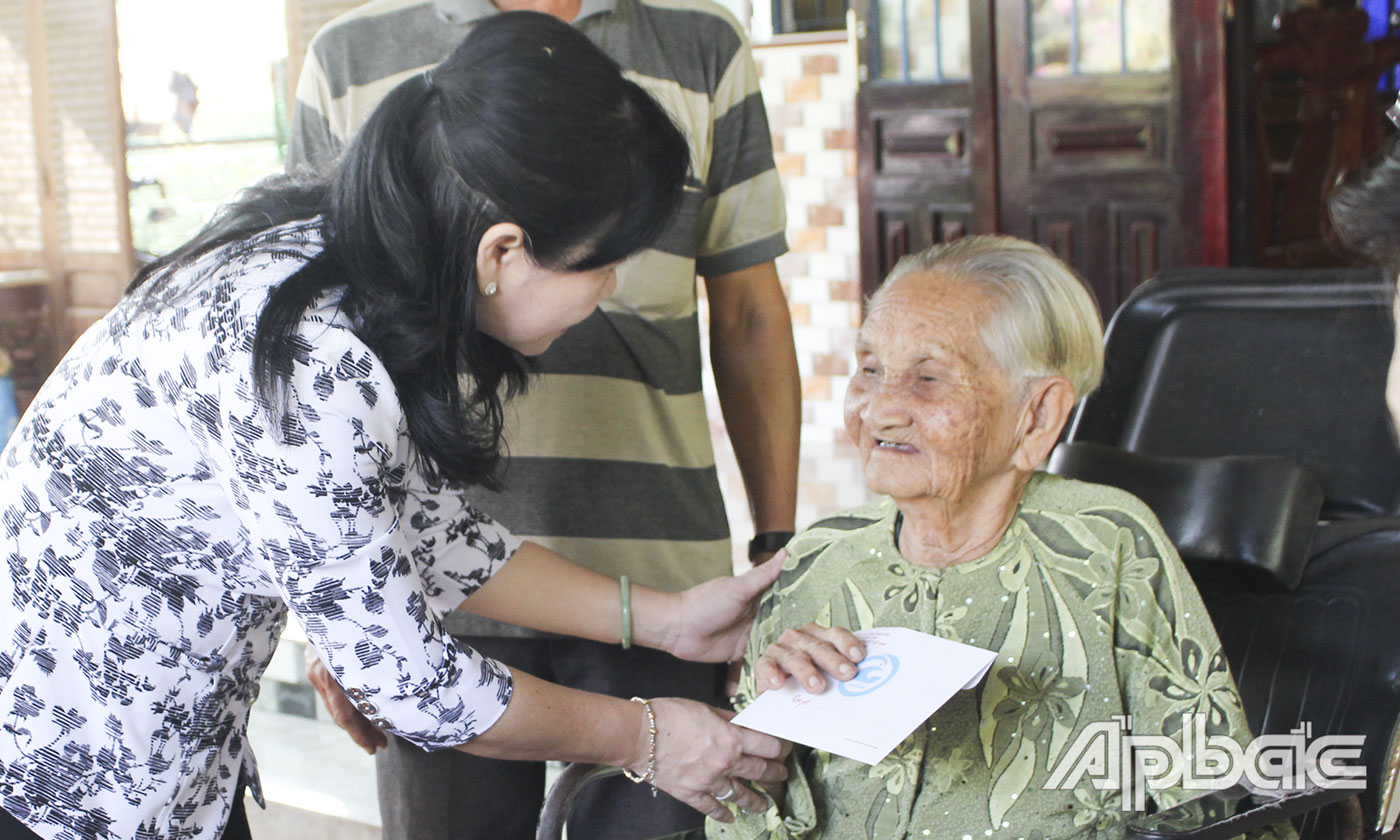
[526,122]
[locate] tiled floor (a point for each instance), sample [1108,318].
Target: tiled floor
[284,822]
[316,781]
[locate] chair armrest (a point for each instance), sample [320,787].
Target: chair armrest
[555,813]
[1231,813]
[1255,513]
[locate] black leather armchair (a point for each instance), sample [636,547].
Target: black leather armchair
[1246,407]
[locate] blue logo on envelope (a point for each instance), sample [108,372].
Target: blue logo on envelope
[875,672]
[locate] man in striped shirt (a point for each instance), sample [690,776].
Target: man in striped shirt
[611,462]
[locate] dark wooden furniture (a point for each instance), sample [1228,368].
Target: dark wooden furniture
[25,330]
[1119,173]
[1318,119]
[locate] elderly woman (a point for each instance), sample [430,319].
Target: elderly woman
[969,362]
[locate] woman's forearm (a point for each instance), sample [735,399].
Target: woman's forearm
[693,753]
[543,590]
[548,721]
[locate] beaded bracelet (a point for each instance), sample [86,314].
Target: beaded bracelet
[650,775]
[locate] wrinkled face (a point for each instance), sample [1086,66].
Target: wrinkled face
[536,305]
[929,408]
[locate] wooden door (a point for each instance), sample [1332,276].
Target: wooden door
[1106,127]
[925,112]
[1097,131]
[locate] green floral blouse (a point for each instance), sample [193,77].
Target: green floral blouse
[1092,615]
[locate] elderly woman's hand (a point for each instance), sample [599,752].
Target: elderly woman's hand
[704,761]
[805,653]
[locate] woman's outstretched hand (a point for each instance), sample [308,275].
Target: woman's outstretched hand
[806,653]
[704,761]
[712,619]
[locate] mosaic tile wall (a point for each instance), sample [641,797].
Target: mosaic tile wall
[809,90]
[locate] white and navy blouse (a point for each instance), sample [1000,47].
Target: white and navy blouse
[155,534]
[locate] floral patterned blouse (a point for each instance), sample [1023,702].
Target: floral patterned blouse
[1091,615]
[155,534]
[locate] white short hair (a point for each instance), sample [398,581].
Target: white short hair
[1046,322]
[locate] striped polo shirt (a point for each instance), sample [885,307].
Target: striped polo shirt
[610,461]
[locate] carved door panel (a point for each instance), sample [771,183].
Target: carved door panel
[926,159]
[1094,116]
[1097,130]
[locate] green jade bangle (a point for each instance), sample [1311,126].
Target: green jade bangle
[626,585]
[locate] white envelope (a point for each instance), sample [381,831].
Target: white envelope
[905,677]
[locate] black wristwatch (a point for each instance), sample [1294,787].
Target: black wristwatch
[768,542]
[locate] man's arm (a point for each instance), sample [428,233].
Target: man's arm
[760,393]
[310,142]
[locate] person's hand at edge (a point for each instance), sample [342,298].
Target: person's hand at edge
[342,708]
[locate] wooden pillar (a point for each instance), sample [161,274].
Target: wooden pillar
[45,152]
[1198,28]
[80,147]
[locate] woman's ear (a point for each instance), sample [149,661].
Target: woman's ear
[1046,411]
[502,248]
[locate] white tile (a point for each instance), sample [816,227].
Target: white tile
[804,192]
[803,139]
[831,315]
[827,164]
[843,340]
[839,88]
[853,494]
[821,114]
[829,416]
[811,342]
[807,289]
[842,242]
[828,266]
[771,89]
[782,64]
